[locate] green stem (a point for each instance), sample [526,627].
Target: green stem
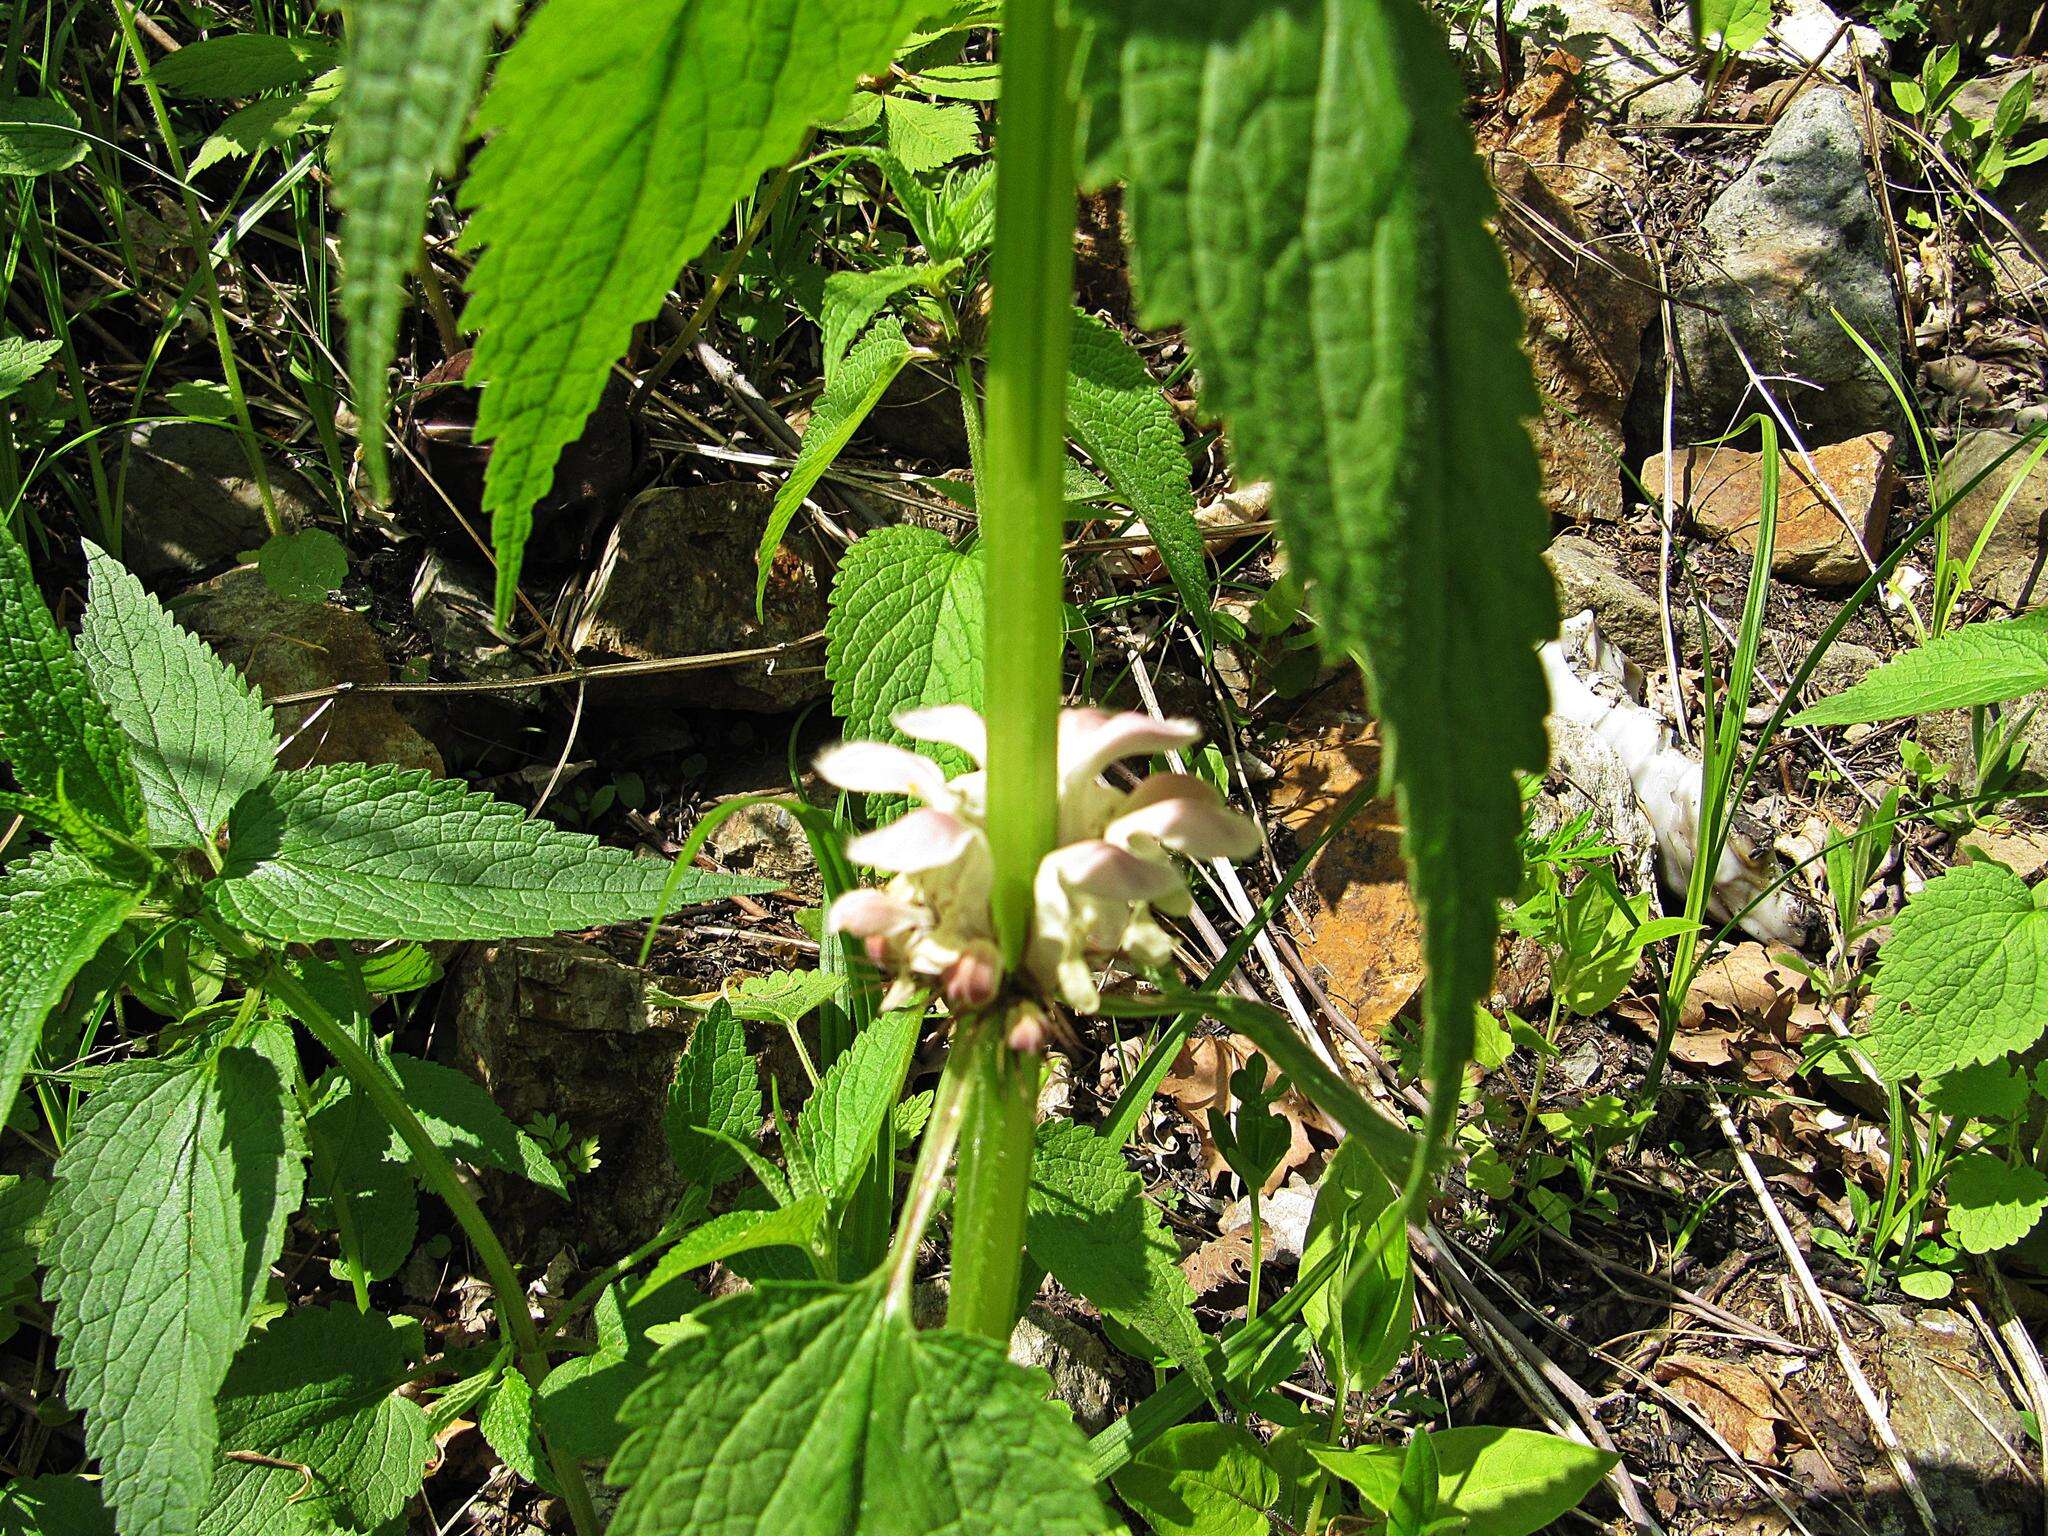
[1024,446]
[994,1182]
[369,1077]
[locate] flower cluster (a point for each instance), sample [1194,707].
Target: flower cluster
[1094,896]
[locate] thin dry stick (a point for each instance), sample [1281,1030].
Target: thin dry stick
[1537,1378]
[1880,1421]
[654,667]
[2020,1344]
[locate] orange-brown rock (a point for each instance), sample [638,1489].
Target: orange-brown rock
[1367,940]
[1721,488]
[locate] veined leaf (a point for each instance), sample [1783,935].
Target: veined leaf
[365,851]
[1730,26]
[38,135]
[55,913]
[1977,664]
[1303,193]
[1505,1482]
[621,139]
[22,360]
[580,1399]
[54,730]
[850,394]
[170,1205]
[411,68]
[925,136]
[270,123]
[241,64]
[465,1122]
[351,1169]
[717,1089]
[905,629]
[1964,976]
[1117,414]
[784,997]
[812,1410]
[787,1226]
[199,736]
[1202,1480]
[846,1112]
[317,1390]
[1358,1213]
[852,299]
[1992,1204]
[508,1425]
[1090,1224]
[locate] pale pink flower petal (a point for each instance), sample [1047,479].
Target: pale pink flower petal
[914,842]
[1155,787]
[868,913]
[1110,873]
[972,980]
[1092,739]
[953,724]
[877,768]
[1186,825]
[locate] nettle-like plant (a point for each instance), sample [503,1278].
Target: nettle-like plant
[1304,199]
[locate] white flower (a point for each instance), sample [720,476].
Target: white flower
[1093,896]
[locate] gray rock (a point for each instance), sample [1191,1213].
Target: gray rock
[1810,32]
[557,1026]
[286,647]
[1077,1361]
[1942,1391]
[1633,70]
[190,506]
[677,579]
[764,840]
[1794,238]
[2010,569]
[1589,576]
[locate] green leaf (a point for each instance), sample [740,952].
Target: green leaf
[1302,191]
[241,64]
[580,1399]
[465,1122]
[55,913]
[199,736]
[1964,976]
[1202,1480]
[1117,414]
[925,136]
[905,629]
[795,1225]
[784,997]
[1977,664]
[369,851]
[1358,1213]
[54,729]
[508,1425]
[1505,1482]
[171,1201]
[621,138]
[317,1390]
[270,123]
[1730,26]
[411,70]
[852,299]
[1992,1204]
[1417,1495]
[846,1112]
[63,1505]
[24,1224]
[38,135]
[717,1089]
[21,360]
[1089,1223]
[352,1166]
[812,1410]
[303,567]
[1992,1090]
[850,394]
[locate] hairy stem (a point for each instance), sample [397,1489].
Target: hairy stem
[994,1182]
[1024,445]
